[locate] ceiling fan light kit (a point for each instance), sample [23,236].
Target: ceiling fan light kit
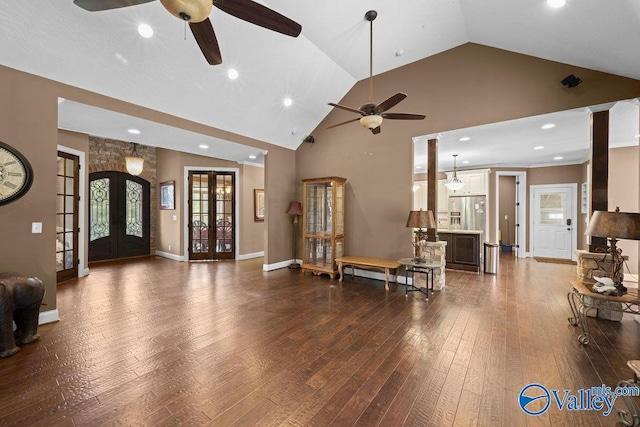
[189,10]
[196,13]
[371,122]
[372,114]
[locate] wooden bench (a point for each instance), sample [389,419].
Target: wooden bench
[367,264]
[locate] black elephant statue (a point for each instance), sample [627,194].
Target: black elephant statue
[20,301]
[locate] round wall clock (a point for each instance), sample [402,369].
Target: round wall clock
[16,174]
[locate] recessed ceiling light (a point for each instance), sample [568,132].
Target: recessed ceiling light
[145,31]
[134,131]
[548,126]
[556,3]
[539,147]
[253,156]
[400,52]
[464,138]
[465,162]
[557,158]
[293,132]
[232,73]
[287,102]
[203,146]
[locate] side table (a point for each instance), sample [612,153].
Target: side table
[411,268]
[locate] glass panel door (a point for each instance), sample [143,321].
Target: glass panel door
[212,213]
[67,183]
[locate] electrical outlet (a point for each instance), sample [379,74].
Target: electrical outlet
[175,217]
[169,247]
[506,217]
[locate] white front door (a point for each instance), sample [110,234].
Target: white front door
[553,220]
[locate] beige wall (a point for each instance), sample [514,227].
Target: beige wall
[571,174]
[624,190]
[28,122]
[252,231]
[171,166]
[507,207]
[281,188]
[466,86]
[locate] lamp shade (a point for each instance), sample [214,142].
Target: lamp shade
[618,225]
[371,122]
[421,219]
[134,165]
[295,209]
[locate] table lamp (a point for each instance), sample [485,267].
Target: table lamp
[295,210]
[614,226]
[420,219]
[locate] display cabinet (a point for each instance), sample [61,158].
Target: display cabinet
[322,224]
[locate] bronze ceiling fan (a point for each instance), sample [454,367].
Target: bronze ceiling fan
[372,114]
[196,13]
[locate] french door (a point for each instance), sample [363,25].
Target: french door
[211,215]
[119,216]
[67,203]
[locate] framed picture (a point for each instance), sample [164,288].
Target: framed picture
[258,204]
[167,200]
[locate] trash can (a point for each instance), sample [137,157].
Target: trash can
[491,258]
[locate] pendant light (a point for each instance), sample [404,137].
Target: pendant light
[134,162]
[454,183]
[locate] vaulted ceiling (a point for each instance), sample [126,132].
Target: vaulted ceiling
[103,53]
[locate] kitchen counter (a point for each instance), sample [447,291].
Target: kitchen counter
[460,231]
[463,249]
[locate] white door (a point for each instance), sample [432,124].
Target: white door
[553,218]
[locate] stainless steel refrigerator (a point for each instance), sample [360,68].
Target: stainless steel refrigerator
[467,212]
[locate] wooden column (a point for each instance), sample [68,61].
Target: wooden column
[599,164]
[432,185]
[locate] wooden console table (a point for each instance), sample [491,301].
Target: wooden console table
[582,299]
[367,264]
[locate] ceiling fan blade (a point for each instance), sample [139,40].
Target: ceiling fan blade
[260,15]
[344,107]
[98,5]
[403,116]
[206,38]
[344,123]
[375,131]
[390,102]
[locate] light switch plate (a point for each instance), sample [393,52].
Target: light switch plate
[36,227]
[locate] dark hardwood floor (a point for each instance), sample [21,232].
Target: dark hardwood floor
[156,342]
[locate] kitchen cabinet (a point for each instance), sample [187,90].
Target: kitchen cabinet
[443,196]
[475,183]
[322,224]
[462,250]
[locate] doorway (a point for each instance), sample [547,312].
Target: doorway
[553,232]
[67,216]
[211,207]
[119,216]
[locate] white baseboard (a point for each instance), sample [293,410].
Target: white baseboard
[48,317]
[170,256]
[251,256]
[277,265]
[377,275]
